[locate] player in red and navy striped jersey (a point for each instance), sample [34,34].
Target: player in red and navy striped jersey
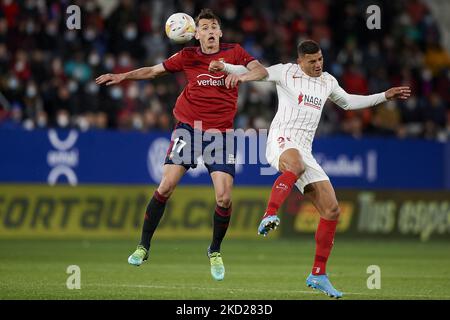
[205,100]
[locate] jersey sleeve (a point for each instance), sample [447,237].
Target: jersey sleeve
[242,57]
[353,101]
[175,62]
[275,73]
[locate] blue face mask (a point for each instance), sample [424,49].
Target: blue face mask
[13,84]
[116,93]
[130,33]
[31,91]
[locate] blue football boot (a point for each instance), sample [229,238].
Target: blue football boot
[321,282]
[267,224]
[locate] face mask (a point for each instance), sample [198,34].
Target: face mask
[13,83]
[116,93]
[52,29]
[124,61]
[137,123]
[109,64]
[41,121]
[92,88]
[20,65]
[73,86]
[411,103]
[29,29]
[94,59]
[70,35]
[427,75]
[132,92]
[130,33]
[31,91]
[90,34]
[62,120]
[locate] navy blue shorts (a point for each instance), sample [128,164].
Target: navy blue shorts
[190,147]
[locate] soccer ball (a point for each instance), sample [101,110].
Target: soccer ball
[180,27]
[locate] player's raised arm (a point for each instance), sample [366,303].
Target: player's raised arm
[352,101]
[237,73]
[138,74]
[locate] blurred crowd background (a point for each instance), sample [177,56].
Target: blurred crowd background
[47,72]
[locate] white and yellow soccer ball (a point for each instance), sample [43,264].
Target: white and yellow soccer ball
[180,27]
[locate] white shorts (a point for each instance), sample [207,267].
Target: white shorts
[313,171]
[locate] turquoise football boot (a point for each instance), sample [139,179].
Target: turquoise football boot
[138,256]
[267,224]
[217,267]
[321,282]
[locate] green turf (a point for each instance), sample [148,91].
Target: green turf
[262,269]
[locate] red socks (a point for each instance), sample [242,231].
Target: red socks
[280,190]
[324,243]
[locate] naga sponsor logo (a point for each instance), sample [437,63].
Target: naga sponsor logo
[310,101]
[205,79]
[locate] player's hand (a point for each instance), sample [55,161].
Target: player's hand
[232,80]
[110,78]
[398,93]
[216,66]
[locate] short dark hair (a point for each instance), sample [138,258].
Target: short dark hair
[308,47]
[207,14]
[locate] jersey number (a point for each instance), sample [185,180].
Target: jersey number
[178,144]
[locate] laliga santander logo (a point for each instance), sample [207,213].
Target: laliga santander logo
[62,160]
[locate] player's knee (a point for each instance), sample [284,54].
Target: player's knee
[295,166]
[333,212]
[166,187]
[223,200]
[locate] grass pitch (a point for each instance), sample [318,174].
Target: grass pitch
[256,269]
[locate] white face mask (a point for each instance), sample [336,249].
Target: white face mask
[31,91]
[70,35]
[62,120]
[41,121]
[124,61]
[73,86]
[109,64]
[94,59]
[90,34]
[116,93]
[130,33]
[30,28]
[132,92]
[20,65]
[92,88]
[137,122]
[13,83]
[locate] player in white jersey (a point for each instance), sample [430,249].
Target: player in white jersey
[302,92]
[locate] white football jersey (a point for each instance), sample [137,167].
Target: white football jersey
[301,99]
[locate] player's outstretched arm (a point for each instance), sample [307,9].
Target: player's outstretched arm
[354,102]
[138,74]
[256,72]
[237,73]
[402,93]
